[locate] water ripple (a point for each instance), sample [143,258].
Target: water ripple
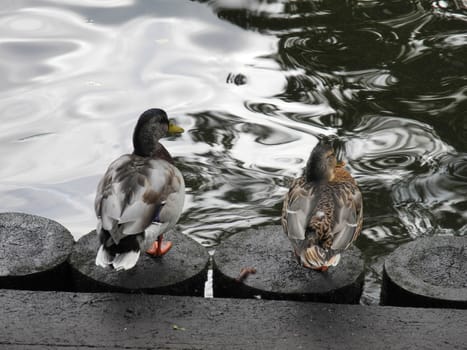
[95,3]
[388,148]
[435,202]
[318,47]
[231,187]
[38,46]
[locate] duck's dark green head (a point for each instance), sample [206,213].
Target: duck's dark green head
[321,163]
[152,125]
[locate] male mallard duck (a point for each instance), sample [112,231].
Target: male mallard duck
[322,212]
[140,196]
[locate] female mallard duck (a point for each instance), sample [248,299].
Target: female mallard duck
[140,196]
[322,212]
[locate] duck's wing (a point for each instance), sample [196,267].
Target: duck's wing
[137,191]
[348,214]
[297,209]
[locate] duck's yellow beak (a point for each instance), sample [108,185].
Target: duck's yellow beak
[174,129]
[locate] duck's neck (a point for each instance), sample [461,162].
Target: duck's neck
[146,138]
[318,173]
[157,152]
[143,142]
[161,152]
[143,149]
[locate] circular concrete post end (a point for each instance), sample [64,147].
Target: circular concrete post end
[182,271]
[34,252]
[428,272]
[278,275]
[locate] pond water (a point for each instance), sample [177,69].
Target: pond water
[253,83]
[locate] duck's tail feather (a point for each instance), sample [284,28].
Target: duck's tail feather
[121,256]
[119,261]
[126,261]
[103,257]
[317,257]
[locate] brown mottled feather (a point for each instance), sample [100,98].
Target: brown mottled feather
[324,216]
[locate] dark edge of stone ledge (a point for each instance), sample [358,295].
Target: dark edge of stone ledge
[60,320]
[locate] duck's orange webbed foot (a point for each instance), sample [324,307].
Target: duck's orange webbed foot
[159,248]
[321,268]
[244,273]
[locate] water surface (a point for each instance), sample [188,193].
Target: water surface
[253,83]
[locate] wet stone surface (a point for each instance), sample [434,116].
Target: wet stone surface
[182,271]
[32,250]
[441,266]
[278,275]
[428,272]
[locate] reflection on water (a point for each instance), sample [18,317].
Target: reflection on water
[253,83]
[389,148]
[437,198]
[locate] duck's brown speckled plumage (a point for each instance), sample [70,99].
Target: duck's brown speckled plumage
[322,215]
